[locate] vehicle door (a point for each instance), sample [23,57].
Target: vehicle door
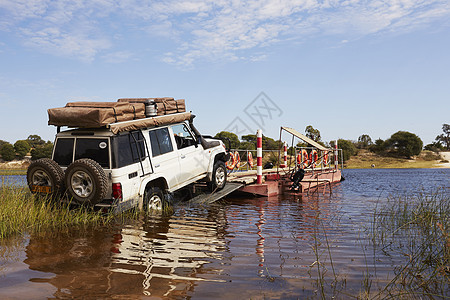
[190,153]
[131,161]
[164,156]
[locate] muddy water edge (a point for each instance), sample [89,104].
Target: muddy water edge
[316,246]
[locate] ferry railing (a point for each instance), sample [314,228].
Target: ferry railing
[243,154]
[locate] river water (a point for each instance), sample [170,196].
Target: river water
[242,248]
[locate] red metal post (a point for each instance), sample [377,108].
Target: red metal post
[259,156]
[336,163]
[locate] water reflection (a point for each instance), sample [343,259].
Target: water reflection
[243,248]
[161,256]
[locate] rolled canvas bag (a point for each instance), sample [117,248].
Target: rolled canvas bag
[94,114]
[166,105]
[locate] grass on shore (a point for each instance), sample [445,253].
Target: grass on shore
[6,172]
[366,159]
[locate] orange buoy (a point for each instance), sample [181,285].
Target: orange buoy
[250,159]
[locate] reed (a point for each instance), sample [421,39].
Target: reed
[21,212]
[416,227]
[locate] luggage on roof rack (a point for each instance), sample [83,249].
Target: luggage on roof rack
[94,114]
[165,105]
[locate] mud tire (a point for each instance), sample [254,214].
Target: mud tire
[156,200]
[86,181]
[219,177]
[45,172]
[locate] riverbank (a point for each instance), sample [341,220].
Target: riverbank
[363,160]
[427,159]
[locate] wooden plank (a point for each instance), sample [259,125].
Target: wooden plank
[215,196]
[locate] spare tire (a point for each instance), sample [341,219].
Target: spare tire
[86,181]
[45,178]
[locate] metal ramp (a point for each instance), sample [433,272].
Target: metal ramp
[215,196]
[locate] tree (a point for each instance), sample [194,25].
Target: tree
[435,147]
[44,151]
[445,137]
[313,133]
[2,142]
[7,152]
[35,141]
[378,147]
[267,142]
[21,147]
[230,139]
[364,141]
[348,148]
[404,143]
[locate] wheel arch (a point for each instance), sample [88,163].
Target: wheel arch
[159,182]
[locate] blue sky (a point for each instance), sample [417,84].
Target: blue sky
[345,67]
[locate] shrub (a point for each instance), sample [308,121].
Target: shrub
[405,143]
[21,147]
[348,148]
[7,152]
[44,151]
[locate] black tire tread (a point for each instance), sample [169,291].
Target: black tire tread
[99,177]
[53,170]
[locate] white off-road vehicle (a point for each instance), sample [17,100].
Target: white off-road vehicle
[130,167]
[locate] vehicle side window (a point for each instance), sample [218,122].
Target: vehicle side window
[96,149]
[183,137]
[160,141]
[128,149]
[63,153]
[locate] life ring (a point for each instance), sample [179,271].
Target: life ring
[231,163]
[325,159]
[238,159]
[305,158]
[313,157]
[250,159]
[303,164]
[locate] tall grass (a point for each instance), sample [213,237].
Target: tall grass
[21,212]
[417,228]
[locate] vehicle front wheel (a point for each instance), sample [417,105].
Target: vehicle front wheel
[219,176]
[155,199]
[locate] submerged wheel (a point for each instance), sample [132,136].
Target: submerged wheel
[155,199]
[86,181]
[45,178]
[219,176]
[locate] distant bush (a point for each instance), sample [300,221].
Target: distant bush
[430,155]
[348,148]
[378,147]
[21,147]
[435,147]
[7,152]
[404,143]
[44,151]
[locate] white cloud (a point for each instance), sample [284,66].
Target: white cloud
[118,57]
[205,29]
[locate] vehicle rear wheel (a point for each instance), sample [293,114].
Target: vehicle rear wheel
[155,199]
[86,181]
[219,176]
[45,178]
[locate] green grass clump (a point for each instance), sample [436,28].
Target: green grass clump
[21,212]
[417,227]
[4,172]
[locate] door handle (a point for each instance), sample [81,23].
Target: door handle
[157,166]
[183,156]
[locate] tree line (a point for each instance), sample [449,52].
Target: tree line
[34,144]
[400,144]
